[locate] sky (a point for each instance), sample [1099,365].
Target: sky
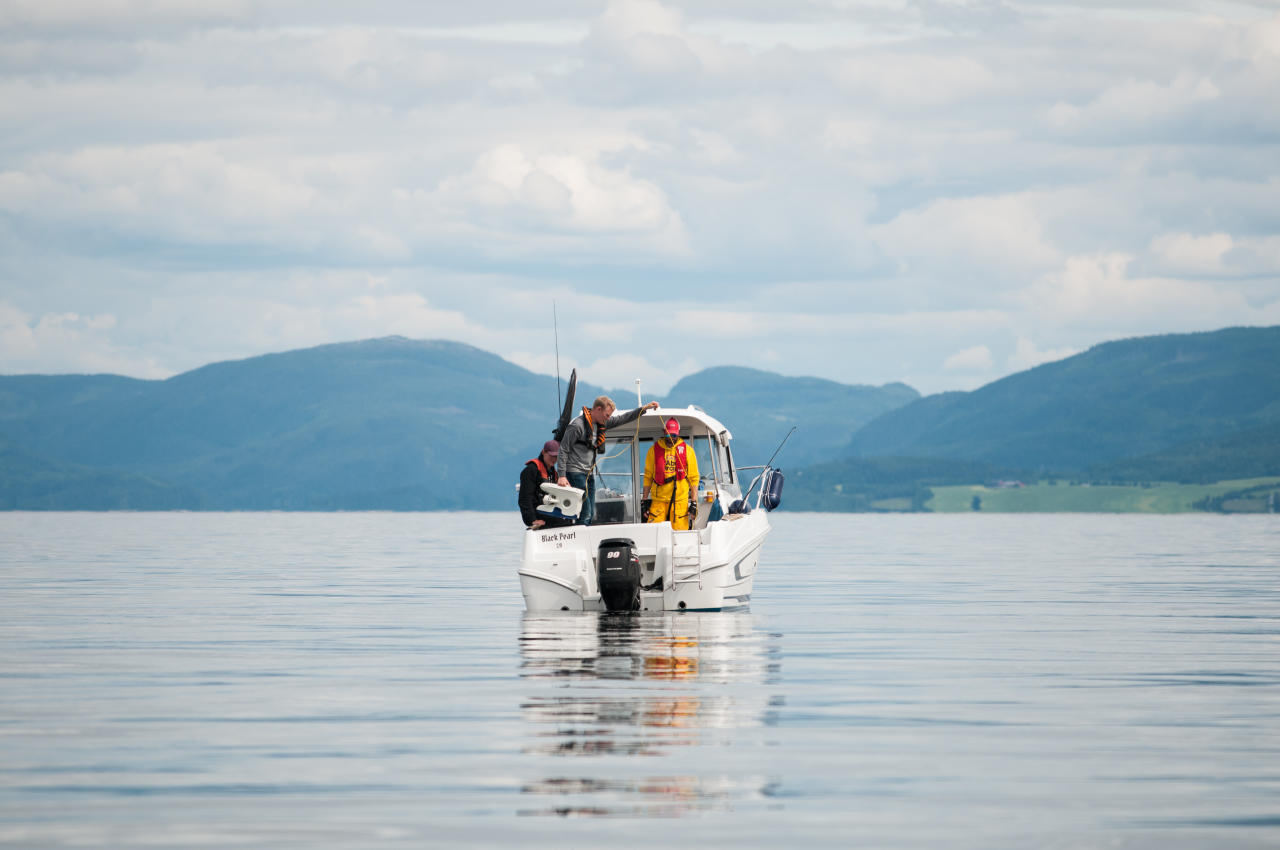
[939,192]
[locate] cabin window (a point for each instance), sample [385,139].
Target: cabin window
[702,448]
[615,485]
[713,460]
[726,464]
[645,446]
[620,475]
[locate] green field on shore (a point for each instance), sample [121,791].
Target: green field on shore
[1062,497]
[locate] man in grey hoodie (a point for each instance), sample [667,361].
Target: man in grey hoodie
[583,441]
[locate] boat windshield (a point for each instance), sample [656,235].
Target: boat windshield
[709,466]
[620,474]
[615,485]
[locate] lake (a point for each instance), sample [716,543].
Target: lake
[372,680]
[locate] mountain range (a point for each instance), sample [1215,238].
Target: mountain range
[387,423]
[760,409]
[407,424]
[1122,399]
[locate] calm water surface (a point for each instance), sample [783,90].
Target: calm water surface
[372,680]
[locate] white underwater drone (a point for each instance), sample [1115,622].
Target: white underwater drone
[562,502]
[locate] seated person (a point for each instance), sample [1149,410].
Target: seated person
[671,479]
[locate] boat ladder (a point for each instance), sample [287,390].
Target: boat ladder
[686,557]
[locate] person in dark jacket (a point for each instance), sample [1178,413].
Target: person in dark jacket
[541,468]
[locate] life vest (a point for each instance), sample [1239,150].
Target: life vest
[599,431]
[660,463]
[542,469]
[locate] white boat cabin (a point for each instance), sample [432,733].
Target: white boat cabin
[620,469]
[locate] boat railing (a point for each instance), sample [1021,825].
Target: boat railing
[746,494]
[762,479]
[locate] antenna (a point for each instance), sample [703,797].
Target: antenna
[780,445]
[556,325]
[639,400]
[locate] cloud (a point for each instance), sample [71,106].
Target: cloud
[1257,256]
[402,68]
[1136,105]
[1027,356]
[120,17]
[231,315]
[619,371]
[905,79]
[647,33]
[862,197]
[1263,41]
[1187,254]
[1097,292]
[189,193]
[215,194]
[566,192]
[975,359]
[66,57]
[642,49]
[314,310]
[978,242]
[1215,255]
[66,342]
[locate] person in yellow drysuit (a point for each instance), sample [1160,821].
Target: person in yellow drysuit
[670,478]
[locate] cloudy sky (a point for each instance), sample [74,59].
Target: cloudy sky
[939,192]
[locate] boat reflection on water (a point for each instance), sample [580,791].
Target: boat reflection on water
[673,686]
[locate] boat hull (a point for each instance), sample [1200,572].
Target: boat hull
[712,569]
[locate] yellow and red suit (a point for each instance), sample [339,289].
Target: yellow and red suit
[670,479]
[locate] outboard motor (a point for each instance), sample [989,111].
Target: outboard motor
[618,574]
[771,492]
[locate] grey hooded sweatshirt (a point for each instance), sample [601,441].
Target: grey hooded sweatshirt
[577,451]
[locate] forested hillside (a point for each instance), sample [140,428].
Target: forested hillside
[761,407]
[1116,401]
[390,423]
[402,424]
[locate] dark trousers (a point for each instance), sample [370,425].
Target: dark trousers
[584,482]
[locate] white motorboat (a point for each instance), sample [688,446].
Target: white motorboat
[709,567]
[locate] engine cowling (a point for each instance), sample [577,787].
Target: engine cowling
[618,574]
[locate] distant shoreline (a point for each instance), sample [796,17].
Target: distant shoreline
[1235,497]
[1249,495]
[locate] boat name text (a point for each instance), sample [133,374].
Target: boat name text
[562,535]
